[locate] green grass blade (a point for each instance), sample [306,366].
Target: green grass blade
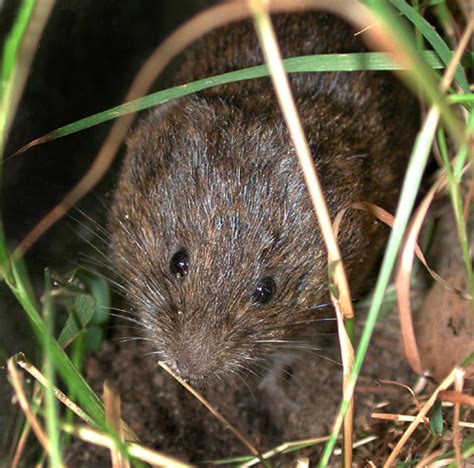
[14,273]
[88,398]
[421,77]
[52,413]
[375,61]
[455,192]
[411,184]
[9,61]
[433,38]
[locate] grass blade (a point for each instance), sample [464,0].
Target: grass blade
[373,61]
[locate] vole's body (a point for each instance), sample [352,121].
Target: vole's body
[212,181]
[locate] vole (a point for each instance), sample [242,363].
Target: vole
[212,229]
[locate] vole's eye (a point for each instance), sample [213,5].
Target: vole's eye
[179,263]
[264,291]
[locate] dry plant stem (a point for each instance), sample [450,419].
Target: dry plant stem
[37,395]
[426,461]
[457,397]
[216,413]
[347,353]
[394,417]
[448,381]
[21,361]
[285,98]
[407,252]
[21,447]
[17,382]
[35,373]
[27,52]
[410,391]
[457,436]
[145,454]
[403,274]
[402,278]
[302,463]
[389,219]
[284,447]
[359,443]
[269,43]
[468,425]
[112,415]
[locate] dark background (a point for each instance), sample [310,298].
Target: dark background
[87,57]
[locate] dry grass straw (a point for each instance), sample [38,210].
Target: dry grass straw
[243,438]
[21,361]
[155,458]
[285,98]
[87,433]
[112,415]
[17,382]
[456,373]
[285,447]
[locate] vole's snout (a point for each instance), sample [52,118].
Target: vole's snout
[194,362]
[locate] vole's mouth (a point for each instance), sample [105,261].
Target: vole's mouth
[194,367]
[192,361]
[189,375]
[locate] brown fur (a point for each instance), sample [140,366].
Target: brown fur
[216,174]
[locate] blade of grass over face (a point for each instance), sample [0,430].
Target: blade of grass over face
[370,61]
[242,437]
[341,300]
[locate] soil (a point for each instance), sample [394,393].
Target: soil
[302,405]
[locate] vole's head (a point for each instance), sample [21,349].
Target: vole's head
[213,234]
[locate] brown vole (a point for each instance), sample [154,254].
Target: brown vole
[212,228]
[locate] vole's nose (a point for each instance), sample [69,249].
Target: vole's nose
[194,362]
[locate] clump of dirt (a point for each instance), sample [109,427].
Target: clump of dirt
[446,320]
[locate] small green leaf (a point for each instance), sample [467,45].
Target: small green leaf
[81,308]
[436,419]
[98,286]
